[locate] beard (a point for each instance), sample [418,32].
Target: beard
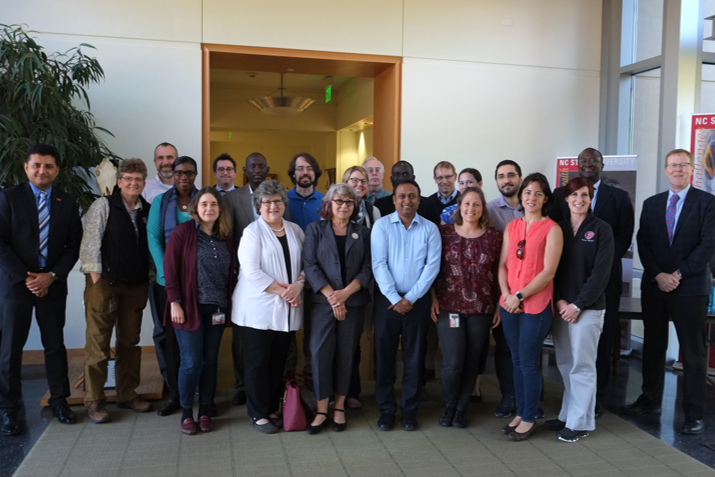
[166,173]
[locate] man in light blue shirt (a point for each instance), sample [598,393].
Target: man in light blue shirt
[406,251]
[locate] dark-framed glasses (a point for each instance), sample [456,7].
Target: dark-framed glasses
[189,174]
[275,202]
[355,180]
[340,202]
[520,249]
[221,170]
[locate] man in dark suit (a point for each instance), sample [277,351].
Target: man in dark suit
[403,170]
[676,241]
[40,236]
[612,205]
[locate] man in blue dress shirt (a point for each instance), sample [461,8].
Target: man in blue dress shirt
[304,199]
[406,251]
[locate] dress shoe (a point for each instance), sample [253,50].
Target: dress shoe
[312,430]
[168,408]
[505,408]
[353,403]
[460,419]
[386,422]
[409,422]
[476,398]
[554,424]
[339,427]
[239,399]
[276,421]
[638,408]
[10,423]
[137,404]
[205,424]
[506,430]
[267,428]
[445,420]
[522,436]
[188,426]
[692,426]
[97,412]
[598,411]
[64,414]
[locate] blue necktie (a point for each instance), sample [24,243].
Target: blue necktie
[44,220]
[670,216]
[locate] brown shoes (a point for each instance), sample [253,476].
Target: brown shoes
[97,412]
[138,404]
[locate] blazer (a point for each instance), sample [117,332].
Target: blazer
[20,240]
[615,208]
[182,277]
[693,242]
[426,209]
[262,262]
[321,262]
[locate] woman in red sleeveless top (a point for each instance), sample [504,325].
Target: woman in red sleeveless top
[530,255]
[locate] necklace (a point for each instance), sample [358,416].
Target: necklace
[183,207]
[278,230]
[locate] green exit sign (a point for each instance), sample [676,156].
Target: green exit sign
[328,93]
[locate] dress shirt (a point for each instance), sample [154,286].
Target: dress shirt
[405,262]
[154,187]
[304,210]
[378,195]
[678,206]
[501,213]
[223,192]
[255,213]
[596,186]
[449,198]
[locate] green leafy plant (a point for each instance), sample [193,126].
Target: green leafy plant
[39,95]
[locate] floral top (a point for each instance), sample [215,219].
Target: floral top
[468,281]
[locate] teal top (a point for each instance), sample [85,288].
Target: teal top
[155,235]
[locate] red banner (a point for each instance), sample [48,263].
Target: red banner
[702,145]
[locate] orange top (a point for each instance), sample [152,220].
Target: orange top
[521,272]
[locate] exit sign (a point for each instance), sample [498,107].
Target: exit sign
[328,93]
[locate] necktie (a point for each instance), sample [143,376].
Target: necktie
[223,192]
[44,220]
[670,216]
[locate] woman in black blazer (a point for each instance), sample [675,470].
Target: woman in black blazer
[336,263]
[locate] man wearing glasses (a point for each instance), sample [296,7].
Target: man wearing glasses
[375,174]
[225,173]
[445,176]
[164,156]
[613,206]
[676,240]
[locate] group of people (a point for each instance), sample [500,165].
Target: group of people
[269,262]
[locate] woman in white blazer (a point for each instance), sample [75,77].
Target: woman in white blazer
[268,301]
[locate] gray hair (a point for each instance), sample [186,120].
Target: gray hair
[269,187]
[341,189]
[375,158]
[128,166]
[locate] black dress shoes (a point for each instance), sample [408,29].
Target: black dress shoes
[638,408]
[64,414]
[460,419]
[386,422]
[239,399]
[598,411]
[445,420]
[168,408]
[409,422]
[692,426]
[10,424]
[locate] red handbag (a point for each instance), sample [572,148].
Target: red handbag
[296,413]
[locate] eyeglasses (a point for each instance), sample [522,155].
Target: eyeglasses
[301,169]
[189,174]
[340,203]
[511,175]
[275,202]
[520,250]
[225,169]
[129,180]
[674,165]
[355,180]
[593,160]
[375,170]
[441,178]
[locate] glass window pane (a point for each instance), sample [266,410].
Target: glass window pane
[708,10]
[649,29]
[707,90]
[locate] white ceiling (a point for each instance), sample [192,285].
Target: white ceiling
[252,80]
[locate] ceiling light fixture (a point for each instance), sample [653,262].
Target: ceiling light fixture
[281,106]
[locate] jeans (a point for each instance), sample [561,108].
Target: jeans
[199,358]
[525,334]
[461,350]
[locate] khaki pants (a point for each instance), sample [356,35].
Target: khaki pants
[108,305]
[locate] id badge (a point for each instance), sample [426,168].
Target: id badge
[454,320]
[218,319]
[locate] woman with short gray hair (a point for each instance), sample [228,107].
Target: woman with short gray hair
[269,292]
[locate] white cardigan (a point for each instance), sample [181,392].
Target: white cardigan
[262,262]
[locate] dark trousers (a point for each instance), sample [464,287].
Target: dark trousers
[461,349]
[355,386]
[165,341]
[688,315]
[332,345]
[237,353]
[15,321]
[503,364]
[411,328]
[604,358]
[264,353]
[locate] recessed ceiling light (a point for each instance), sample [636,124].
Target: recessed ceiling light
[290,69]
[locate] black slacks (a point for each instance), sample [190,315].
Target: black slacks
[165,344]
[237,354]
[604,356]
[264,354]
[688,315]
[15,321]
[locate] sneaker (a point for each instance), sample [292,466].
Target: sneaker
[97,412]
[505,408]
[568,435]
[137,404]
[554,424]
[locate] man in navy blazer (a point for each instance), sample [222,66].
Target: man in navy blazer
[676,241]
[613,206]
[34,275]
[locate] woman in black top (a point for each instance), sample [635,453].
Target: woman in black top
[579,293]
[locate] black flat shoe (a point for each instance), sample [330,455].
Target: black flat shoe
[276,421]
[339,427]
[10,423]
[522,436]
[168,408]
[312,430]
[506,430]
[64,414]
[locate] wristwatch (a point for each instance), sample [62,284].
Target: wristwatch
[578,310]
[54,277]
[519,296]
[301,280]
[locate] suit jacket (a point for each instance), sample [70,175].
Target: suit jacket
[20,239]
[426,209]
[693,242]
[321,262]
[613,207]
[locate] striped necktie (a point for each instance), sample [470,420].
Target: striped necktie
[670,216]
[44,220]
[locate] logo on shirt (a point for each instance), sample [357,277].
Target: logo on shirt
[589,235]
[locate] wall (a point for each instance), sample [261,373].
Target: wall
[483,80]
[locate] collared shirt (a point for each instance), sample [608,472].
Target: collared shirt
[596,186]
[90,252]
[449,198]
[678,205]
[154,187]
[405,262]
[378,195]
[501,213]
[223,192]
[255,212]
[304,210]
[212,270]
